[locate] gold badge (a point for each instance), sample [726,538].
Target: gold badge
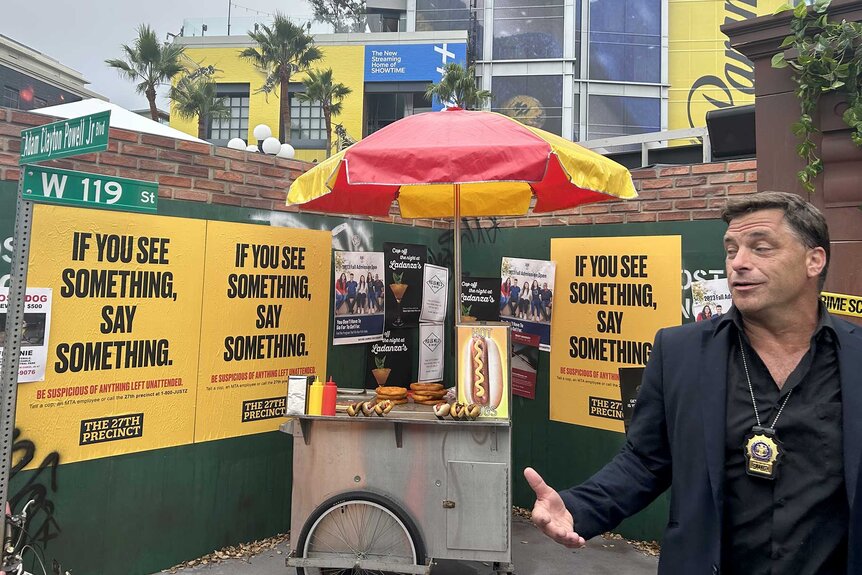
[762,451]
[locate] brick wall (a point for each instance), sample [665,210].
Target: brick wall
[202,173]
[665,193]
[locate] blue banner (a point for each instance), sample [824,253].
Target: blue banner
[411,62]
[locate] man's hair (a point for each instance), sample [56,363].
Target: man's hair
[806,221]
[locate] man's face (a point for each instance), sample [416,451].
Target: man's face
[351,277]
[768,266]
[515,282]
[544,286]
[718,309]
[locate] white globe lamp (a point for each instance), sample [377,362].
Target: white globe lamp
[236,144]
[286,151]
[262,132]
[271,146]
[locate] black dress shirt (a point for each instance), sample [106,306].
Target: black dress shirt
[797,523]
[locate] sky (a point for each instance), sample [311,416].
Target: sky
[82,34]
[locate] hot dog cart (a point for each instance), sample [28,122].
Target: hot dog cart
[393,494]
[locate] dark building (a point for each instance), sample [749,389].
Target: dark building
[30,79]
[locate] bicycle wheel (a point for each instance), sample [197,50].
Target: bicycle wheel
[359,526]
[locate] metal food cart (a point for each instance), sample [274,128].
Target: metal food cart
[393,494]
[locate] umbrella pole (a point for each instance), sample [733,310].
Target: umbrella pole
[457,262]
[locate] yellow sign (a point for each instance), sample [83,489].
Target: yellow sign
[611,296]
[265,317]
[705,73]
[483,368]
[123,348]
[842,304]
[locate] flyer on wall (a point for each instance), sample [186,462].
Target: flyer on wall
[525,364]
[435,293]
[483,367]
[619,292]
[266,302]
[359,308]
[401,283]
[710,298]
[480,299]
[35,330]
[431,349]
[122,367]
[527,297]
[390,361]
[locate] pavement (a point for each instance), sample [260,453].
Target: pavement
[532,554]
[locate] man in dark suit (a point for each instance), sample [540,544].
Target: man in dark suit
[752,419]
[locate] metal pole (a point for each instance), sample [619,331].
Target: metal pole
[457,265]
[14,333]
[228,16]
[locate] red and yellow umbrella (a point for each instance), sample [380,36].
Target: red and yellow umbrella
[495,164]
[459,163]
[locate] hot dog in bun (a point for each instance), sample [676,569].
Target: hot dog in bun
[483,373]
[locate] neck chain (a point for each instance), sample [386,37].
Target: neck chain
[762,449]
[751,389]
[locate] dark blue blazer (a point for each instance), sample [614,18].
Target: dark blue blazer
[676,440]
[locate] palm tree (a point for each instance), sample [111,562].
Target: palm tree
[458,87]
[319,88]
[282,49]
[196,97]
[150,64]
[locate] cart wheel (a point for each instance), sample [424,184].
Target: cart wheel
[359,525]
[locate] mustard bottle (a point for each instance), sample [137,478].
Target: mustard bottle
[315,397]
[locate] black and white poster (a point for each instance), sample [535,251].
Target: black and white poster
[435,294]
[480,299]
[431,347]
[403,283]
[390,361]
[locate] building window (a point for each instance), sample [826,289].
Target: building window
[384,108]
[10,97]
[611,116]
[235,126]
[444,15]
[533,100]
[625,40]
[307,126]
[528,29]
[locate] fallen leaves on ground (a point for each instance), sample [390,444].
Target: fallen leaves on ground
[246,551]
[243,551]
[521,512]
[651,548]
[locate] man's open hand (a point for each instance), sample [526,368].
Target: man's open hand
[550,514]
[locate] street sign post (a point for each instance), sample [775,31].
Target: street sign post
[81,189]
[65,138]
[48,142]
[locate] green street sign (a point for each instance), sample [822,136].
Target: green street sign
[65,138]
[85,190]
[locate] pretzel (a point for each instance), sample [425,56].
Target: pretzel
[423,387]
[395,401]
[429,395]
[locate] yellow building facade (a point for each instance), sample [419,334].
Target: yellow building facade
[704,72]
[374,67]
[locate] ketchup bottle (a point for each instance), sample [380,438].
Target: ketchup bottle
[315,397]
[330,391]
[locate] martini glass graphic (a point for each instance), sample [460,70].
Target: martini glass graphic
[398,290]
